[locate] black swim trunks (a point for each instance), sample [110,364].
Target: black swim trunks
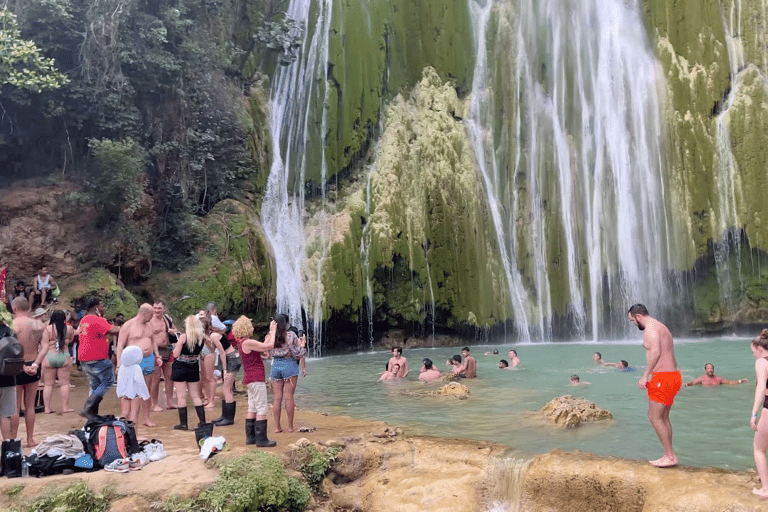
[25,378]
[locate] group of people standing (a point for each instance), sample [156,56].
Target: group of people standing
[149,349]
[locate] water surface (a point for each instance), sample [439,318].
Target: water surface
[711,425]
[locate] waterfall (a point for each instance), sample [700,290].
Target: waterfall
[365,258]
[295,89]
[726,222]
[568,130]
[503,485]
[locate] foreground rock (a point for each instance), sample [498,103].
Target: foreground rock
[575,482]
[567,411]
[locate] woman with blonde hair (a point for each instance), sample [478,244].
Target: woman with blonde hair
[760,408]
[185,371]
[254,379]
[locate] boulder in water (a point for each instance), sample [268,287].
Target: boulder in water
[567,411]
[453,389]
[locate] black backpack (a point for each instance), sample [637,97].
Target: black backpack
[11,356]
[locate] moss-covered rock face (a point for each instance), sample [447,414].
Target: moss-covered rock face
[427,235]
[100,283]
[713,54]
[234,268]
[377,49]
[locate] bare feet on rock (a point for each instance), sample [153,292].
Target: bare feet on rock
[664,462]
[763,492]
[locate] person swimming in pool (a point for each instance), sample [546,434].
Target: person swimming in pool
[661,378]
[390,374]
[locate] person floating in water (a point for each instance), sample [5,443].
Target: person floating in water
[623,365]
[457,366]
[503,364]
[576,381]
[391,374]
[661,378]
[709,379]
[495,352]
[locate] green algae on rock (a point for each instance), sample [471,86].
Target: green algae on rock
[430,240]
[233,268]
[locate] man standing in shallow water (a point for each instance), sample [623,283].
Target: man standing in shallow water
[661,378]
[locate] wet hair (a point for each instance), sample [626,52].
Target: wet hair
[709,364]
[393,368]
[399,350]
[624,363]
[599,355]
[495,351]
[281,320]
[762,340]
[575,377]
[515,351]
[465,348]
[505,363]
[242,328]
[456,358]
[193,328]
[638,309]
[59,320]
[428,363]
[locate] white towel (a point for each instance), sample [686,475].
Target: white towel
[130,380]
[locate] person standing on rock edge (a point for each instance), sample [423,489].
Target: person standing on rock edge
[398,359]
[760,443]
[661,378]
[93,354]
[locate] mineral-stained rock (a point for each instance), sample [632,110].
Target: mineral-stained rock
[453,389]
[567,411]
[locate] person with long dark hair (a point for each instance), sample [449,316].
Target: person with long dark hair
[285,370]
[759,408]
[57,363]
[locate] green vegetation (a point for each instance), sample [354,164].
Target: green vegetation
[21,63]
[256,481]
[77,497]
[314,463]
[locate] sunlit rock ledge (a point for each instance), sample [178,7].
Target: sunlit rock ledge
[405,473]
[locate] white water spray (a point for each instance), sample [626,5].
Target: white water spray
[575,174]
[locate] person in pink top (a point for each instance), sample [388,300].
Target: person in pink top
[254,379]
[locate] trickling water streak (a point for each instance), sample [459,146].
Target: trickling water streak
[295,89]
[587,196]
[365,244]
[504,484]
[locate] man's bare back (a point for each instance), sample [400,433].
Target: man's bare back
[29,332]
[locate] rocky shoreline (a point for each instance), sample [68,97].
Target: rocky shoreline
[385,468]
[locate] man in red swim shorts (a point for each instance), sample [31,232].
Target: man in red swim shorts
[661,378]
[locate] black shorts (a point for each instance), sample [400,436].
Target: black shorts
[185,372]
[25,378]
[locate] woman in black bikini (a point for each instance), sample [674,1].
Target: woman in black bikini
[760,407]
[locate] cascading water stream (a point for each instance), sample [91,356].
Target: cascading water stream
[296,88]
[574,171]
[726,222]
